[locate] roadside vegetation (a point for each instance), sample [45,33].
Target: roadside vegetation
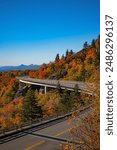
[85,130]
[33,105]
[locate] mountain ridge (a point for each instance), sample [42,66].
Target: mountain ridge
[83,65]
[20,67]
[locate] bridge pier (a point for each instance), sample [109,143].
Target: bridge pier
[21,85]
[45,90]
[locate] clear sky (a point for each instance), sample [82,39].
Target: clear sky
[34,31]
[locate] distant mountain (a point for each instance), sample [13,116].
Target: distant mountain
[20,67]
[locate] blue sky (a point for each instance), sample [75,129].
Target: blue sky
[34,31]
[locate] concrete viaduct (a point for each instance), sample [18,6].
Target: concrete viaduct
[64,84]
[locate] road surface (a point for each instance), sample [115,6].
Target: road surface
[32,142]
[82,86]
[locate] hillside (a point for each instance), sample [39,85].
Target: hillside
[80,66]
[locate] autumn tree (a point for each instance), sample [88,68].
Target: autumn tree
[11,91]
[97,57]
[90,60]
[82,73]
[86,129]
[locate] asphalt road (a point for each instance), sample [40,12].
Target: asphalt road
[32,142]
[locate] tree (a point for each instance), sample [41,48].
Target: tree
[75,94]
[86,129]
[30,109]
[59,88]
[63,56]
[67,53]
[71,52]
[85,45]
[82,73]
[66,101]
[97,57]
[90,60]
[93,43]
[57,58]
[12,89]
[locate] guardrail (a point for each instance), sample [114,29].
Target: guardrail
[36,126]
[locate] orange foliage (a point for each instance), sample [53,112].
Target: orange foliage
[10,114]
[90,53]
[9,108]
[43,74]
[31,74]
[17,119]
[50,110]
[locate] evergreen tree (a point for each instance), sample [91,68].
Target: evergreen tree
[93,43]
[76,92]
[71,52]
[85,45]
[67,53]
[66,101]
[63,56]
[75,96]
[59,88]
[57,58]
[30,109]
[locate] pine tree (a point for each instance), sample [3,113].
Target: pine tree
[71,52]
[57,58]
[66,101]
[76,92]
[93,43]
[85,45]
[63,56]
[30,110]
[67,53]
[75,96]
[59,88]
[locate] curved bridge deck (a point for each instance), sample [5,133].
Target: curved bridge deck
[64,84]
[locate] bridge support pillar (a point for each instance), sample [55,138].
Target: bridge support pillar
[45,90]
[21,85]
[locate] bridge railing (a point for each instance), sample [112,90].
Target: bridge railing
[82,86]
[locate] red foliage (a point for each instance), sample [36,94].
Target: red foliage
[43,74]
[90,53]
